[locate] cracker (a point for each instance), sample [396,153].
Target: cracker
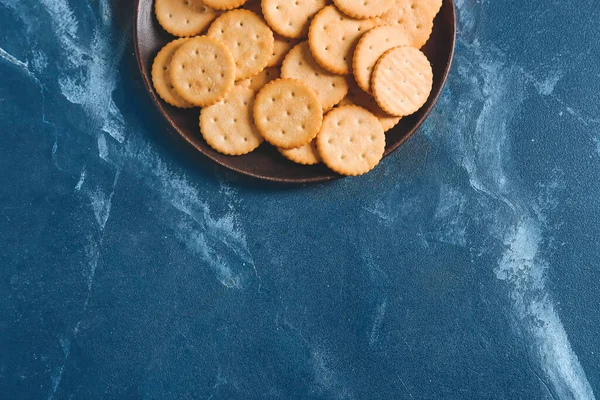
[351,140]
[249,39]
[287,113]
[161,78]
[345,102]
[263,77]
[414,17]
[291,18]
[363,8]
[370,47]
[223,4]
[332,37]
[358,97]
[300,64]
[244,82]
[305,155]
[202,71]
[228,125]
[402,80]
[282,46]
[184,17]
[432,7]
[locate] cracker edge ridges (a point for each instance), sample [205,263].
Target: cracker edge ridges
[301,83]
[179,35]
[353,174]
[262,20]
[354,58]
[190,105]
[311,39]
[222,152]
[359,16]
[227,8]
[232,83]
[297,161]
[381,104]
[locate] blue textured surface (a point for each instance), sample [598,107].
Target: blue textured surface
[464,267]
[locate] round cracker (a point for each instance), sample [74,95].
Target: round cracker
[415,18]
[370,47]
[282,46]
[332,37]
[228,126]
[249,39]
[359,98]
[184,17]
[202,71]
[305,155]
[300,64]
[402,80]
[263,77]
[351,140]
[287,113]
[223,4]
[291,18]
[161,79]
[244,82]
[363,8]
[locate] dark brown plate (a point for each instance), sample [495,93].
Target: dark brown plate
[265,162]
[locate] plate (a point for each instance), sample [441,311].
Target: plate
[265,162]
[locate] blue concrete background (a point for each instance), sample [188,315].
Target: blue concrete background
[464,267]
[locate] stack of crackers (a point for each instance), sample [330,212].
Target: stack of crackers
[321,82]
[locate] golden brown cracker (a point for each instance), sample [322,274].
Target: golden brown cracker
[161,78]
[249,39]
[263,77]
[370,47]
[300,64]
[244,82]
[291,18]
[184,17]
[363,8]
[332,37]
[228,126]
[287,113]
[282,46]
[413,17]
[223,4]
[358,97]
[305,155]
[202,71]
[402,80]
[432,7]
[351,140]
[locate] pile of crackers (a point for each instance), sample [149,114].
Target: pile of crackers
[321,82]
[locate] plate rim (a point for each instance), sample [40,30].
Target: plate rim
[145,75]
